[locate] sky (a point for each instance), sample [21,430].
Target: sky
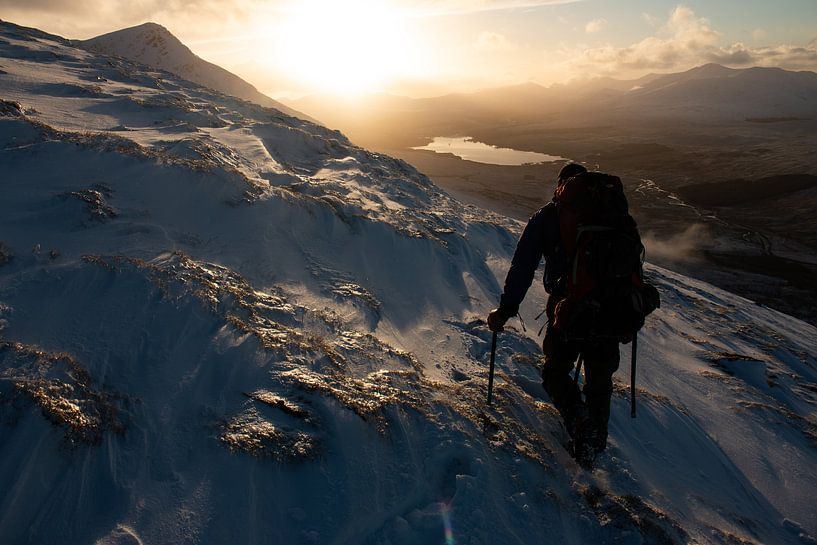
[429,47]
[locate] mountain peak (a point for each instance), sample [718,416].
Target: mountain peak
[710,70]
[148,26]
[154,45]
[146,36]
[151,25]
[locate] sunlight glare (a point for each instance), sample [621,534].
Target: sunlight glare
[345,47]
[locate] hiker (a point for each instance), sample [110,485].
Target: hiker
[574,329]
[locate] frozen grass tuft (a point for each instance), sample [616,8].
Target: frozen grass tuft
[63,390]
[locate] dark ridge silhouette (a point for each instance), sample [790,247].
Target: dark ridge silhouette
[740,191]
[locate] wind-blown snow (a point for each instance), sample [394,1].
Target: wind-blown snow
[221,324]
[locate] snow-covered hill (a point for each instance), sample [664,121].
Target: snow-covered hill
[703,93]
[153,45]
[714,90]
[222,324]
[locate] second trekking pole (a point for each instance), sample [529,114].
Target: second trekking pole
[491,369]
[632,375]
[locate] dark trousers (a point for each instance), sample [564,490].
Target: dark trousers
[600,360]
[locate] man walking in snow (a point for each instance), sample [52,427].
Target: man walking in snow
[557,233]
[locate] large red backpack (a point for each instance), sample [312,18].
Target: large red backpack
[605,293]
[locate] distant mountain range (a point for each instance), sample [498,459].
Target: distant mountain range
[708,93]
[716,90]
[153,45]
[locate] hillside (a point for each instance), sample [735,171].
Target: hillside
[153,45]
[738,192]
[719,92]
[223,324]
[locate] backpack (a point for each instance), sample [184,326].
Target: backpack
[605,295]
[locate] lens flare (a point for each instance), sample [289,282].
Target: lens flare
[445,513]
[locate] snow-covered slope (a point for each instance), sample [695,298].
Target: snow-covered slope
[220,324]
[153,45]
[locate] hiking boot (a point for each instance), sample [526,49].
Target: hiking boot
[582,445]
[584,453]
[575,420]
[589,439]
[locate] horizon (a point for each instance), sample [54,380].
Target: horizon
[418,49]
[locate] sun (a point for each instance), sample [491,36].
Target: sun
[345,47]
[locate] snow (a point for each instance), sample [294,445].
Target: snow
[219,323]
[153,45]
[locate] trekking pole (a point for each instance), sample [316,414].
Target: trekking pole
[491,369]
[632,376]
[578,371]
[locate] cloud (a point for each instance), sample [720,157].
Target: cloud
[684,41]
[787,56]
[790,57]
[686,37]
[736,54]
[493,41]
[650,19]
[595,26]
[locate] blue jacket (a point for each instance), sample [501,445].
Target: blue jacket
[541,238]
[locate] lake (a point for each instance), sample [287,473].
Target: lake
[467,148]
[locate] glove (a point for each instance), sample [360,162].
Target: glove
[497,319]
